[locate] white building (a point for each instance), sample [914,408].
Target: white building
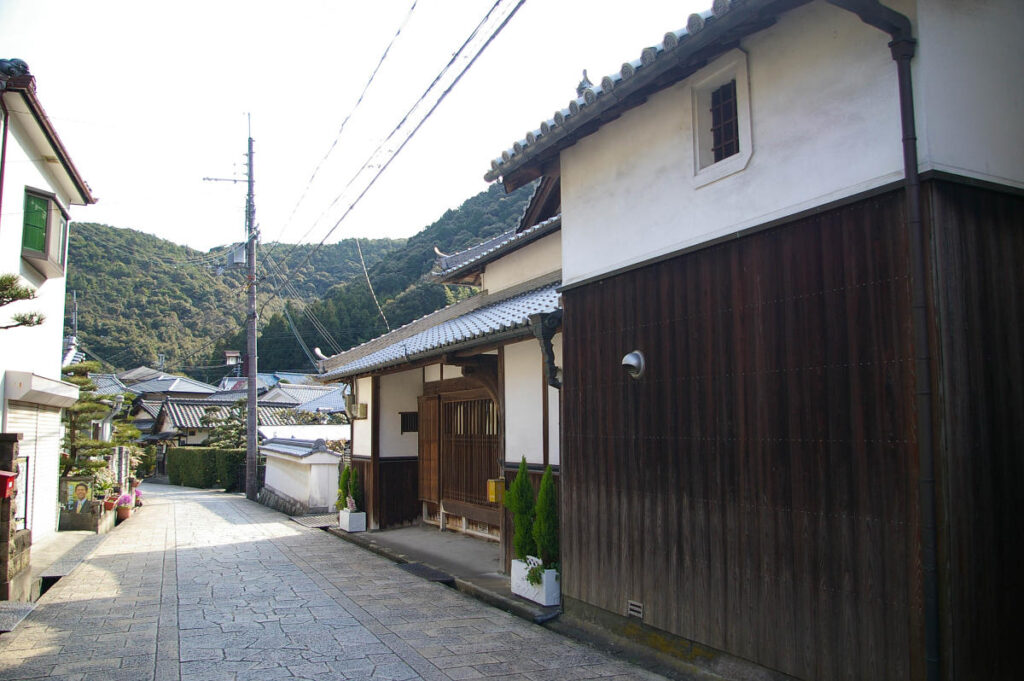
[38,186]
[808,218]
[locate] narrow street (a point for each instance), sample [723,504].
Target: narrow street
[203,586]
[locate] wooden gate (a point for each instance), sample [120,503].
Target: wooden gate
[471,447]
[430,448]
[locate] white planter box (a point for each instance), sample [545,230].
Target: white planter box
[548,592]
[352,521]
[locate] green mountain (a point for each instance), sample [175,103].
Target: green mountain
[140,296]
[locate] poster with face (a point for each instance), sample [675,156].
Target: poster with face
[79,497]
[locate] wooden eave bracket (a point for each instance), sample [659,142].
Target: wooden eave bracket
[482,369]
[545,325]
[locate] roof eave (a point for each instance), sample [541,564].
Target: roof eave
[530,159]
[25,86]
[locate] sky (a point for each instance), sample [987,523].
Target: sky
[150,98]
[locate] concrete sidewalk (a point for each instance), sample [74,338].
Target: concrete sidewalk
[208,586]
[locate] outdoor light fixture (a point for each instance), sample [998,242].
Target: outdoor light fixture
[635,364]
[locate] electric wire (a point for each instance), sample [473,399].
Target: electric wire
[368,283]
[341,129]
[412,133]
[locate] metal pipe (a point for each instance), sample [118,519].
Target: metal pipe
[902,47]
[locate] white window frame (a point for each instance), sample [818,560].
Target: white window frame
[730,66]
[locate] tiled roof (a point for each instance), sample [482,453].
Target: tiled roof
[332,401]
[298,448]
[190,413]
[107,384]
[297,394]
[172,384]
[151,407]
[478,324]
[458,263]
[657,67]
[139,374]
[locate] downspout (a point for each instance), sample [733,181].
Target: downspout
[3,148]
[902,47]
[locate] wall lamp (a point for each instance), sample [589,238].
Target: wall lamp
[635,364]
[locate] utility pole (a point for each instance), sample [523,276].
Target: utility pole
[251,444]
[251,234]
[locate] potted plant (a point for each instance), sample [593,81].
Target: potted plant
[350,502]
[543,573]
[124,504]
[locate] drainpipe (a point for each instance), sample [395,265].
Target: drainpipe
[902,47]
[3,148]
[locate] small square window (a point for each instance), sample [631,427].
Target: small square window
[721,118]
[410,421]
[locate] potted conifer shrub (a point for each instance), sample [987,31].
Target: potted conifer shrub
[350,502]
[520,502]
[543,570]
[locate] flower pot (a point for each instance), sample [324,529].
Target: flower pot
[352,521]
[108,504]
[124,512]
[548,592]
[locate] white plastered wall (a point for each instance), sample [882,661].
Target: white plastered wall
[529,262]
[398,393]
[969,101]
[824,124]
[362,433]
[524,385]
[35,349]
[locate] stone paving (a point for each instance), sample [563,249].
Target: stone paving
[204,586]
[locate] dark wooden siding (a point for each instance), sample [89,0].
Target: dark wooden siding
[430,448]
[398,490]
[756,490]
[978,251]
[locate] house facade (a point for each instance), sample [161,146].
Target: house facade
[455,399]
[38,185]
[807,219]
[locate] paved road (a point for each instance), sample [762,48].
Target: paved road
[202,586]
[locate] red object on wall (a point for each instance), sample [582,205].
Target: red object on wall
[7,480]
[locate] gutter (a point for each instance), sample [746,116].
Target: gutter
[903,47]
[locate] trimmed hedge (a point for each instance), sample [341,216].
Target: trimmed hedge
[204,467]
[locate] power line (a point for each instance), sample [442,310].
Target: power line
[415,129]
[341,129]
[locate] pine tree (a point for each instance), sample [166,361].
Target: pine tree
[11,290]
[343,488]
[356,489]
[82,454]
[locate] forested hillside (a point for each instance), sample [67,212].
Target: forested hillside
[140,296]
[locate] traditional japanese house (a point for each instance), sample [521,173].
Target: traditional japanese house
[800,227]
[458,397]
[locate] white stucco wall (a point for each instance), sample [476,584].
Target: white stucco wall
[967,88]
[824,123]
[529,262]
[312,479]
[398,393]
[36,349]
[524,386]
[361,430]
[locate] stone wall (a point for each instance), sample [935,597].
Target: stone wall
[15,544]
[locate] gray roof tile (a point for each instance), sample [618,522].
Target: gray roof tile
[475,325]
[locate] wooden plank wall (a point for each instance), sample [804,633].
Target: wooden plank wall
[978,251]
[399,479]
[756,491]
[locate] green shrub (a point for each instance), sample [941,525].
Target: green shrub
[204,467]
[227,463]
[545,525]
[343,487]
[147,462]
[356,488]
[519,500]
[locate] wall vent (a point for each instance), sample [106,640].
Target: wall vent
[635,609]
